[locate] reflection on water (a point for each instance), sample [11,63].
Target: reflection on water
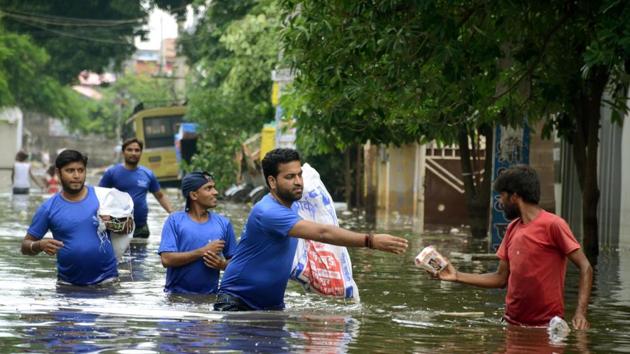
[401,310]
[19,203]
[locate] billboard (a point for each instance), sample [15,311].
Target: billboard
[511,147]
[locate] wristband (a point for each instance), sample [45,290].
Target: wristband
[32,242]
[369,240]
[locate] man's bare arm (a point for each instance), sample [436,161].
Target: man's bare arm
[341,237]
[584,291]
[178,259]
[496,279]
[32,246]
[163,200]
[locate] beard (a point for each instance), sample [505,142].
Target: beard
[132,161]
[69,189]
[289,195]
[511,211]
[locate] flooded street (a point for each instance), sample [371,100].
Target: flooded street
[402,310]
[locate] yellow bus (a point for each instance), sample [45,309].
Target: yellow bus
[156,127]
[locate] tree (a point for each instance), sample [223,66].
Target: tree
[107,115]
[85,35]
[399,71]
[24,81]
[232,53]
[391,73]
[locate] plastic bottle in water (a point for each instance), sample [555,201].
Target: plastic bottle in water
[558,329]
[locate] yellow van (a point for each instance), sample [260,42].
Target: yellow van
[156,127]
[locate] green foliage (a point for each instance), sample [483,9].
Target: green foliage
[46,43]
[107,115]
[82,35]
[232,55]
[24,80]
[395,72]
[400,71]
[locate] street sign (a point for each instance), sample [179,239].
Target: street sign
[284,75]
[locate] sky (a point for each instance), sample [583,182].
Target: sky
[161,25]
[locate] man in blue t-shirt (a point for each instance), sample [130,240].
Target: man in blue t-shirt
[85,256]
[256,277]
[137,181]
[193,239]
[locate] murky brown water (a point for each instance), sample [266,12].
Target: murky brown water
[401,310]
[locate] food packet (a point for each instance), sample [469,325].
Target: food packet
[431,260]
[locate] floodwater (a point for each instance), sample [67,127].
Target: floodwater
[401,309]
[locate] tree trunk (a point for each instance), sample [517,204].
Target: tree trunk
[371,191]
[347,178]
[477,189]
[587,113]
[358,175]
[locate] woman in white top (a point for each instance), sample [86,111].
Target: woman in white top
[21,174]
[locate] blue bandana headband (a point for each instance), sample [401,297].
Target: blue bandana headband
[193,181]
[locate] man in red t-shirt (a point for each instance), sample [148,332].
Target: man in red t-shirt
[532,256]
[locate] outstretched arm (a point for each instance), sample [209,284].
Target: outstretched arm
[178,259]
[341,237]
[584,292]
[496,279]
[163,200]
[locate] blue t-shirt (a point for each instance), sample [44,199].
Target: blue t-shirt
[181,234]
[137,183]
[259,271]
[85,257]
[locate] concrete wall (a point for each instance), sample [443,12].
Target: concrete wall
[395,176]
[8,140]
[624,210]
[47,138]
[614,185]
[609,178]
[11,130]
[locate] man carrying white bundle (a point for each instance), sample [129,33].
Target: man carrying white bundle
[84,256]
[256,277]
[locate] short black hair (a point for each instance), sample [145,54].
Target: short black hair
[21,156]
[274,158]
[131,141]
[70,156]
[522,180]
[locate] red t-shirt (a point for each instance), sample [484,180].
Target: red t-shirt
[536,253]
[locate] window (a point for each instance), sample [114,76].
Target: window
[160,132]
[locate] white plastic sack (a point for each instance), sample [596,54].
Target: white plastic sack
[320,267]
[116,204]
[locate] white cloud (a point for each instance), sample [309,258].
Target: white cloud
[161,25]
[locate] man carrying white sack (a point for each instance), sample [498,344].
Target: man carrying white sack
[256,277]
[85,255]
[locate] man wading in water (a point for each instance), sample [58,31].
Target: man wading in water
[532,257]
[257,275]
[84,256]
[137,181]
